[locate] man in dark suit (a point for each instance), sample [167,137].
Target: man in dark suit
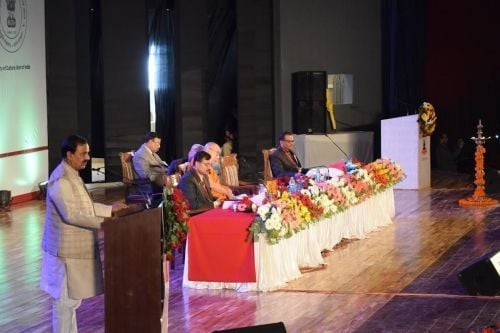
[283,160]
[195,183]
[147,163]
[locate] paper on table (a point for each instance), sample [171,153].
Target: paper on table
[228,204]
[325,171]
[258,199]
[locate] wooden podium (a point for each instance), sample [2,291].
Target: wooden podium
[401,141]
[133,272]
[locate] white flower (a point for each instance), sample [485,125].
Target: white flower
[269,225]
[314,190]
[262,211]
[305,192]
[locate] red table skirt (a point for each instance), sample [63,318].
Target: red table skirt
[218,247]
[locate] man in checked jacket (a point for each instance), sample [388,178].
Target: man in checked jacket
[71,265]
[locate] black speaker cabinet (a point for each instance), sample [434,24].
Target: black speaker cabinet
[482,277]
[267,328]
[309,102]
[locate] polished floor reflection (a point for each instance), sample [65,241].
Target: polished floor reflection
[403,278]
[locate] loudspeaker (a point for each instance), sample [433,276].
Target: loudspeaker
[482,277]
[309,102]
[5,200]
[267,328]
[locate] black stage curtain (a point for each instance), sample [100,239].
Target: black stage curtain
[96,86]
[161,40]
[462,71]
[404,27]
[221,69]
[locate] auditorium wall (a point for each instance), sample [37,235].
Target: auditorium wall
[23,105]
[337,36]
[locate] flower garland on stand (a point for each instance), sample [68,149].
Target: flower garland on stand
[427,119]
[174,219]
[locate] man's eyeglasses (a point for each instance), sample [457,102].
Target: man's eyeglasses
[289,141]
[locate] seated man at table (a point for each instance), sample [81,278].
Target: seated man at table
[195,183]
[147,163]
[219,191]
[283,160]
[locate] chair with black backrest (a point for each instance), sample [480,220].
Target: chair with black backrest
[136,190]
[229,176]
[268,173]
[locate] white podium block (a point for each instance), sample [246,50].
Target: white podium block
[401,142]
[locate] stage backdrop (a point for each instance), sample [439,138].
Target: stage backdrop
[23,102]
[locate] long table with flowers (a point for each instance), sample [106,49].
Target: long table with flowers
[290,231]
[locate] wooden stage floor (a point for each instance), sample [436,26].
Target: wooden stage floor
[403,278]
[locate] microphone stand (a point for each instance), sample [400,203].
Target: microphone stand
[336,145]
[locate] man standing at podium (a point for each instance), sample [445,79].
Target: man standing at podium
[71,264]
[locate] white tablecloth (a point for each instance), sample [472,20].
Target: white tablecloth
[277,264]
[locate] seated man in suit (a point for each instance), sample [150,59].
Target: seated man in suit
[195,183]
[283,160]
[147,163]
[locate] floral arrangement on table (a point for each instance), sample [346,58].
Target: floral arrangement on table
[427,119]
[174,218]
[385,173]
[289,212]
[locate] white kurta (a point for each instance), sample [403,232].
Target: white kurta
[70,244]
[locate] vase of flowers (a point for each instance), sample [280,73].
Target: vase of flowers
[427,119]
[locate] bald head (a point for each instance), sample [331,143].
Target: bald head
[194,149]
[214,150]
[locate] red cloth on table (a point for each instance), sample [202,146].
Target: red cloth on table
[218,247]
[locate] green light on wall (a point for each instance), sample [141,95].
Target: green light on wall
[23,117]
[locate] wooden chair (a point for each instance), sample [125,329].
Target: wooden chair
[229,176]
[268,173]
[135,190]
[134,187]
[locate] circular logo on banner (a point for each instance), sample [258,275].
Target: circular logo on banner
[13,21]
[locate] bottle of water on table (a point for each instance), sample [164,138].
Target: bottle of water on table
[317,176]
[292,187]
